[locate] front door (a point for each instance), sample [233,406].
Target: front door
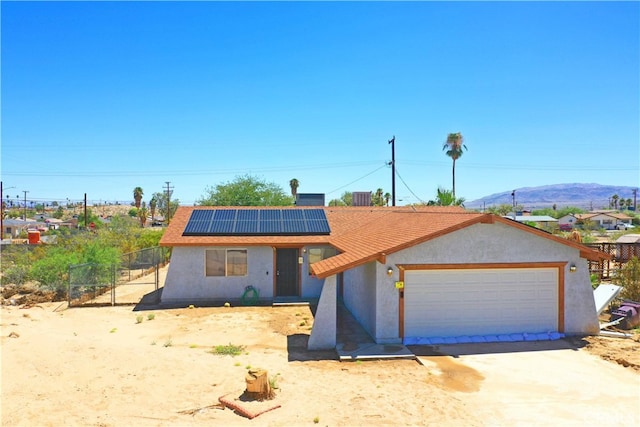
[287,272]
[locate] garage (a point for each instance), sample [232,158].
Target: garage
[454,302]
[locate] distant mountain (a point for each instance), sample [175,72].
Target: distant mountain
[585,196]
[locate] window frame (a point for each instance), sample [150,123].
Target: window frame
[230,270]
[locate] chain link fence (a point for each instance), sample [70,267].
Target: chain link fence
[134,280]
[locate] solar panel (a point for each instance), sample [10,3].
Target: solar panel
[256,222]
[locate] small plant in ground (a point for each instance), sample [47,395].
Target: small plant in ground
[247,367]
[139,319]
[237,364]
[193,345]
[113,330]
[168,343]
[192,306]
[226,304]
[151,316]
[153,343]
[304,322]
[228,350]
[273,381]
[316,420]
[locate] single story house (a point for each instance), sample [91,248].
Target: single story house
[609,220]
[405,273]
[543,221]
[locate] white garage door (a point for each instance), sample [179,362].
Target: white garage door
[451,303]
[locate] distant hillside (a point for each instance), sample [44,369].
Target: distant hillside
[585,196]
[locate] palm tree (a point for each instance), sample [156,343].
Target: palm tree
[446,198]
[377,197]
[137,196]
[294,184]
[387,196]
[153,203]
[614,201]
[142,214]
[454,147]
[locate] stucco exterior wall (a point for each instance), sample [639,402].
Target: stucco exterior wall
[323,334]
[359,295]
[311,285]
[186,280]
[497,243]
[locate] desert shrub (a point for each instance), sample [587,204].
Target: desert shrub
[16,275]
[52,270]
[629,278]
[15,265]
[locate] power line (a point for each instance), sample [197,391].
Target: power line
[362,177]
[410,190]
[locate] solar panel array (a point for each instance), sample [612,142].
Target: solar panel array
[257,222]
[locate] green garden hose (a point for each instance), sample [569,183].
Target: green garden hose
[250,296]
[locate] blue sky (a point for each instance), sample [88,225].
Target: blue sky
[100,97]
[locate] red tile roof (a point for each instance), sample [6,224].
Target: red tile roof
[361,234]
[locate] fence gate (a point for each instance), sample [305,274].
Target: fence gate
[136,280]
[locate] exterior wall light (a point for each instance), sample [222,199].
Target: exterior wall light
[389,271]
[573,268]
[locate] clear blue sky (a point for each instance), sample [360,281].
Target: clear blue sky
[99,97]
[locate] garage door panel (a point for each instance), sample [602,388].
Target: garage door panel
[480,301]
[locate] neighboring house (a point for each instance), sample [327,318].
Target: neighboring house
[609,220]
[542,221]
[13,227]
[404,273]
[567,222]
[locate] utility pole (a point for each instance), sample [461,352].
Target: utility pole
[392,141]
[25,205]
[513,197]
[169,188]
[635,195]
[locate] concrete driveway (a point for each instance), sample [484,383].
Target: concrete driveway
[505,383]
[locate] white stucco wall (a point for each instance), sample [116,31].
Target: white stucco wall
[481,243]
[186,280]
[323,333]
[359,295]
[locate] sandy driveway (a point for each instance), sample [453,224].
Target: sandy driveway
[112,366]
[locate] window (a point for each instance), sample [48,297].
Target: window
[226,262]
[318,254]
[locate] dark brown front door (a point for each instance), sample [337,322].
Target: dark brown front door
[287,272]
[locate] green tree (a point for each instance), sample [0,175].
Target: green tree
[501,210]
[378,197]
[294,184]
[387,197]
[246,191]
[165,205]
[59,213]
[454,148]
[137,196]
[445,197]
[336,202]
[629,278]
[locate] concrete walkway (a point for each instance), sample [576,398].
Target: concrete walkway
[354,343]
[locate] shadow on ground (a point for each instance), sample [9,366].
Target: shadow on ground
[297,350]
[455,350]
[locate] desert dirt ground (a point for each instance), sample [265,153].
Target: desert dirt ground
[120,366]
